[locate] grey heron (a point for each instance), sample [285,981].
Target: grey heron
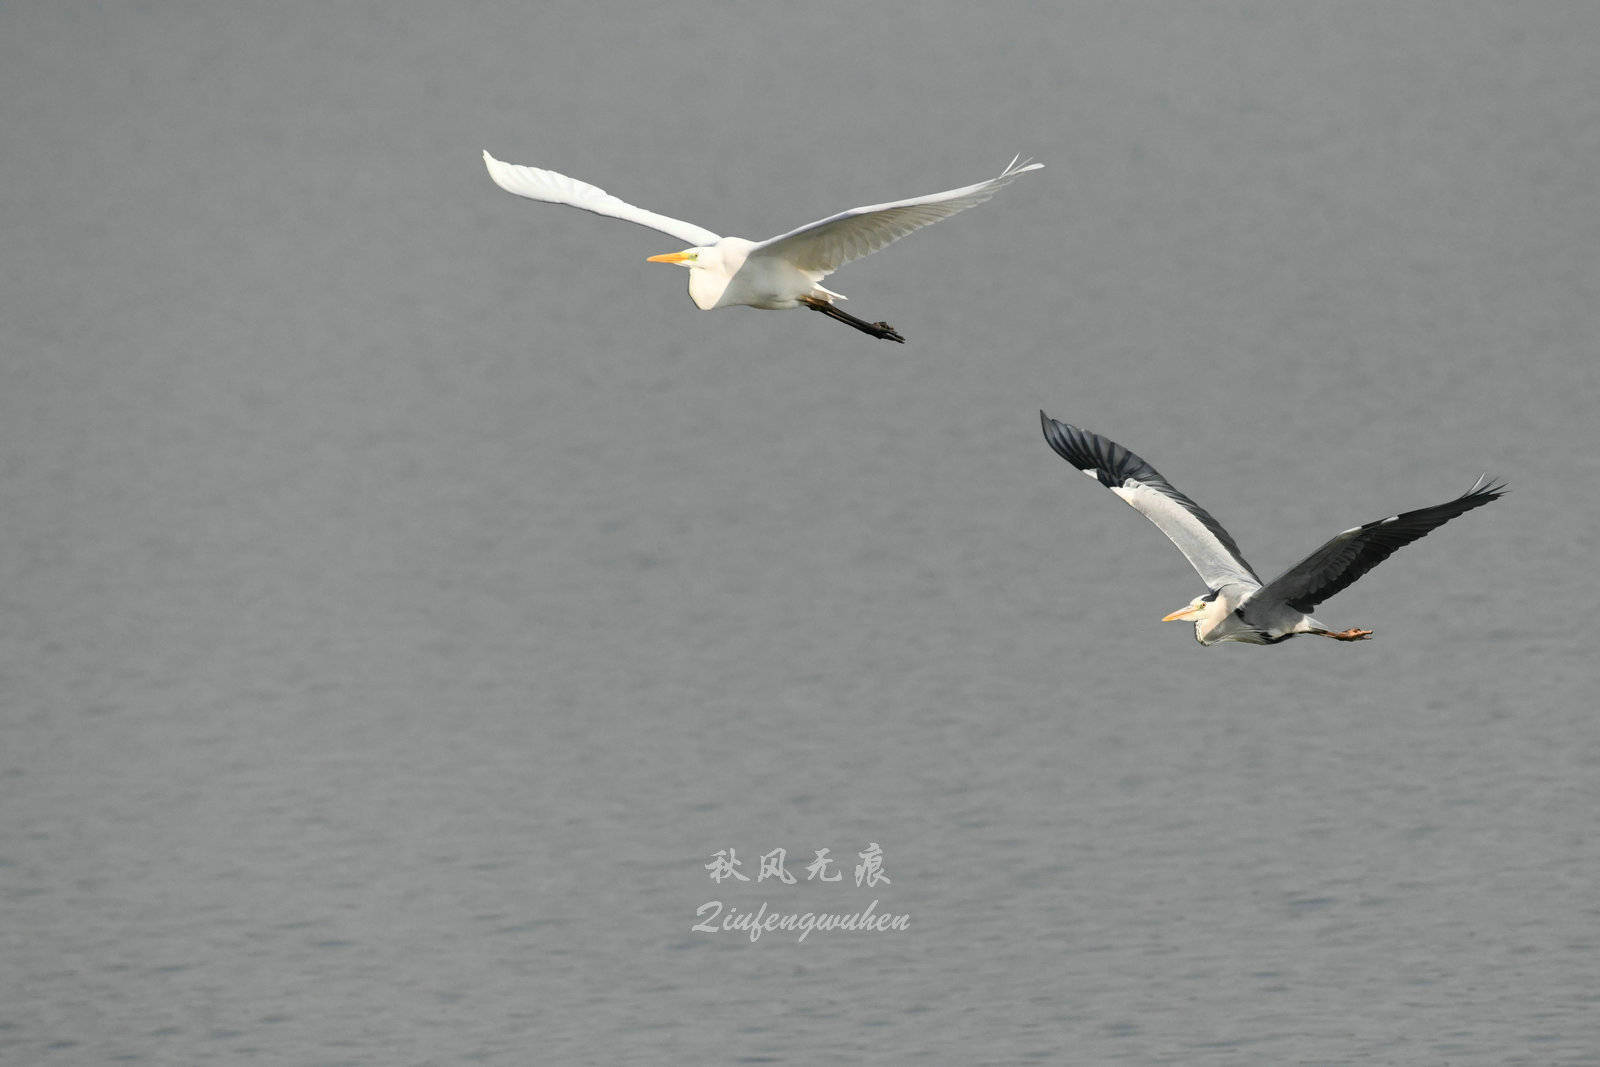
[1238,606]
[781,272]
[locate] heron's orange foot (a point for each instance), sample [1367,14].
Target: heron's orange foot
[1352,634]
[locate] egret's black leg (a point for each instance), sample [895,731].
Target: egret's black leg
[876,329]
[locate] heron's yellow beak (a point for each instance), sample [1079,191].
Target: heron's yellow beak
[1184,613]
[671,257]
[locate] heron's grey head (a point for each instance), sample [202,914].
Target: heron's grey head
[1206,611]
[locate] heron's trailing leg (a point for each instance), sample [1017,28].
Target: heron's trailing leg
[1351,634]
[876,329]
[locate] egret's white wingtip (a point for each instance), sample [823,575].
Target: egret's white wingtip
[1018,165]
[499,171]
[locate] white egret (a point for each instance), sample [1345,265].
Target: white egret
[1238,606]
[781,272]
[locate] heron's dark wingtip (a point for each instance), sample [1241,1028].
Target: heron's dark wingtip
[1052,427]
[1058,436]
[1485,486]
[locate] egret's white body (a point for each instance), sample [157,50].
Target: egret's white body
[782,272]
[725,275]
[1238,605]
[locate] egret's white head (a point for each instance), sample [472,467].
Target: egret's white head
[711,267]
[689,257]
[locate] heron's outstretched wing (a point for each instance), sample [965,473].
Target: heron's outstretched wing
[553,188]
[1356,551]
[1201,539]
[830,243]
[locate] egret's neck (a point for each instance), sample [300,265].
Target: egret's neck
[714,268]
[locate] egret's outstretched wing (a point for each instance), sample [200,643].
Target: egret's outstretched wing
[1201,539]
[1355,552]
[828,244]
[553,188]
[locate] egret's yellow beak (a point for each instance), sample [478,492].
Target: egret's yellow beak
[671,257]
[1184,613]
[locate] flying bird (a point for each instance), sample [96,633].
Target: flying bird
[1238,606]
[780,272]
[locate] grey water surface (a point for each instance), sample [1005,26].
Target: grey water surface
[406,593]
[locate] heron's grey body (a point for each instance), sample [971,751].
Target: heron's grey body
[1238,605]
[1240,614]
